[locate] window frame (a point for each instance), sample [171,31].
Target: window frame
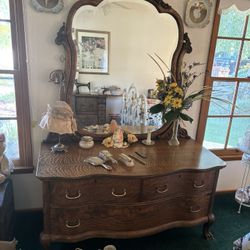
[25,162]
[232,153]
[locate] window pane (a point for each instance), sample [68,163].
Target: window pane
[243,99]
[244,69]
[4,9]
[6,55]
[7,96]
[226,57]
[216,132]
[9,128]
[239,126]
[248,28]
[225,91]
[232,24]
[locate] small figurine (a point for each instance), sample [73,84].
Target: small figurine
[113,126]
[118,138]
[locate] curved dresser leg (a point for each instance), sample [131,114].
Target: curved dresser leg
[206,228]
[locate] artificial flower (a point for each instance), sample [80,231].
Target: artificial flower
[176,103]
[174,95]
[132,138]
[108,142]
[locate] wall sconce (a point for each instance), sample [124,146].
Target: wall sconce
[58,77]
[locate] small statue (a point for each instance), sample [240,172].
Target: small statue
[113,126]
[118,138]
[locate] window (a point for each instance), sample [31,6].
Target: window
[14,101]
[221,124]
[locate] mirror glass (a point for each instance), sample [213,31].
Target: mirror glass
[113,41]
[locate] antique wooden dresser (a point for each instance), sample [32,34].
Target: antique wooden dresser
[175,188]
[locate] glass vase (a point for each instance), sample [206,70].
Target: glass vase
[174,138]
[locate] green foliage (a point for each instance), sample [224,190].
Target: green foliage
[186,117]
[171,115]
[157,108]
[5,36]
[7,98]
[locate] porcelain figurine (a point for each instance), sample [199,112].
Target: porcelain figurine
[113,126]
[118,138]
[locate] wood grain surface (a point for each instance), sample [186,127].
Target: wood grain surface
[161,159]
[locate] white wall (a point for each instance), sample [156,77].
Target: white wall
[136,20]
[44,56]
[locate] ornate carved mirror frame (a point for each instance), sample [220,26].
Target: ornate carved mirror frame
[64,37]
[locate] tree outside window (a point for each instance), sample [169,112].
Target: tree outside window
[14,101]
[221,126]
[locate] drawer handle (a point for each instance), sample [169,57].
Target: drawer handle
[119,195]
[162,190]
[67,196]
[199,185]
[69,225]
[197,210]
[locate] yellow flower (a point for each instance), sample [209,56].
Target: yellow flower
[179,91]
[176,103]
[168,99]
[108,142]
[173,85]
[132,138]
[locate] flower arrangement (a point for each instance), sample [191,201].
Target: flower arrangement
[174,96]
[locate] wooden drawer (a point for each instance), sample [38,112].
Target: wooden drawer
[86,105]
[101,100]
[127,218]
[71,193]
[199,182]
[118,190]
[187,183]
[86,120]
[76,193]
[161,187]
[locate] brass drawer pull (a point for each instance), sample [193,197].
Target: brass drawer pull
[67,196]
[197,210]
[199,185]
[69,225]
[162,190]
[119,195]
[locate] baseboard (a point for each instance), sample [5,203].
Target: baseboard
[28,210]
[225,191]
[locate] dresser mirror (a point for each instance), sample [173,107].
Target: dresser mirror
[107,44]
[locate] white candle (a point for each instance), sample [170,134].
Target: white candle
[148,137]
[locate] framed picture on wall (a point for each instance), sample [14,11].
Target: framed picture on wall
[93,51]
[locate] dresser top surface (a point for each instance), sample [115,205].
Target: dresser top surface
[161,159]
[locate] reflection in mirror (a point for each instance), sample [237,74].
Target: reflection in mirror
[113,41]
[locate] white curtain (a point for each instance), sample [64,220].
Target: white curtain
[241,5]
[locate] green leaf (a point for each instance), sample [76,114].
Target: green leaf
[171,115]
[186,117]
[157,108]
